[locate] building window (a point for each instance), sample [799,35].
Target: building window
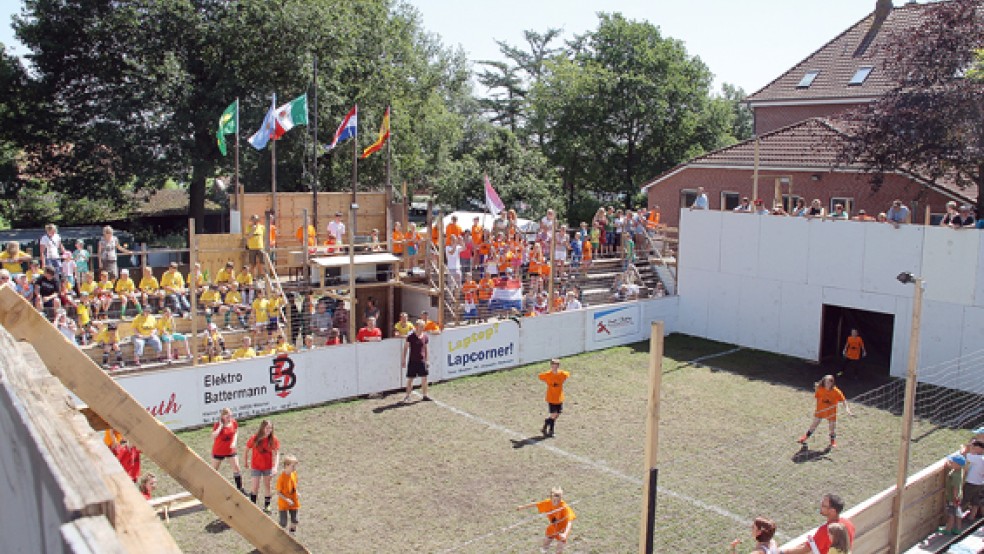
[807,79]
[848,204]
[730,200]
[861,74]
[687,197]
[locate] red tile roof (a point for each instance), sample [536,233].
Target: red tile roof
[810,145]
[838,61]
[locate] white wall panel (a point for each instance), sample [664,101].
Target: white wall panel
[900,337]
[333,371]
[379,365]
[939,343]
[664,309]
[724,309]
[836,250]
[972,350]
[882,303]
[692,315]
[783,249]
[701,243]
[739,246]
[800,316]
[758,310]
[979,288]
[887,252]
[948,264]
[551,336]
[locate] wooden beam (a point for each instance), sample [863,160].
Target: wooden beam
[647,528]
[100,392]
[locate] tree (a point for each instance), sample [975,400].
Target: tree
[932,122]
[623,104]
[743,123]
[132,89]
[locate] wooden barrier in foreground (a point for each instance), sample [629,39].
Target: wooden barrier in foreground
[872,518]
[62,489]
[101,393]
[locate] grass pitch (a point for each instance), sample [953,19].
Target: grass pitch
[445,476]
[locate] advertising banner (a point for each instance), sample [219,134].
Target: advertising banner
[477,349]
[171,396]
[613,325]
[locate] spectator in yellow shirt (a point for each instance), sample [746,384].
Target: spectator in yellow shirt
[126,290]
[245,350]
[151,289]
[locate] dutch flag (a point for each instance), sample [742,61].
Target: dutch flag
[348,129]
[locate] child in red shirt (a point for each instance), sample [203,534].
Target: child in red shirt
[265,450]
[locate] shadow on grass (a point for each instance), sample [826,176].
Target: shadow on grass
[804,454]
[217,526]
[393,406]
[529,440]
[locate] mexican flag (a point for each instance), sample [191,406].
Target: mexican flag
[290,114]
[228,125]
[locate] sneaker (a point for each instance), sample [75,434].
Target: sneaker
[405,399]
[803,439]
[426,398]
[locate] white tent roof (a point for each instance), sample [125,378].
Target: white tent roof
[465,220]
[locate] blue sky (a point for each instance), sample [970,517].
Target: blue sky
[747,43]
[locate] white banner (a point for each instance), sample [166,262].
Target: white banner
[609,325]
[170,395]
[477,349]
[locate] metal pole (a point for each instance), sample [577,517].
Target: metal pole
[441,281]
[355,167]
[648,527]
[273,170]
[908,412]
[314,125]
[351,247]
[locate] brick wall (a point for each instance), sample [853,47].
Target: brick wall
[667,194]
[770,118]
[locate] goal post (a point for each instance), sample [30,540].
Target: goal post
[649,488]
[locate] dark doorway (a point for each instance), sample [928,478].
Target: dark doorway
[875,329]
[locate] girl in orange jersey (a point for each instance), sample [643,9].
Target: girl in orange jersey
[561,518]
[828,397]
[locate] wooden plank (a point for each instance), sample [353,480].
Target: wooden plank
[84,378]
[91,535]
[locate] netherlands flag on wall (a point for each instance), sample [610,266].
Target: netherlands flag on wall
[348,129]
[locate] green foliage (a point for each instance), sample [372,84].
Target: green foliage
[743,122]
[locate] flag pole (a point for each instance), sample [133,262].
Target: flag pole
[273,168]
[315,185]
[238,190]
[355,169]
[388,141]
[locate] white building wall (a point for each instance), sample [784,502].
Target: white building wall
[761,282]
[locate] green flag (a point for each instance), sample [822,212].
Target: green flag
[228,124]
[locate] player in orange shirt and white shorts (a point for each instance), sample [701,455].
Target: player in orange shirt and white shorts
[828,397]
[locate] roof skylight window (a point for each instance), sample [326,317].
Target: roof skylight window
[861,74]
[807,79]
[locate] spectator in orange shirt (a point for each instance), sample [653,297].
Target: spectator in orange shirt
[555,394]
[452,230]
[398,239]
[485,287]
[430,326]
[477,231]
[469,293]
[312,234]
[561,518]
[828,397]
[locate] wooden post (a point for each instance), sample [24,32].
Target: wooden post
[351,247]
[305,271]
[648,527]
[192,297]
[424,248]
[441,282]
[928,217]
[143,258]
[908,411]
[108,399]
[755,172]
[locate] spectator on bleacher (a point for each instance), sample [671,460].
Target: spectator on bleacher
[374,244]
[816,209]
[800,210]
[232,303]
[81,257]
[108,248]
[245,350]
[334,338]
[778,209]
[308,343]
[261,314]
[759,208]
[369,333]
[964,219]
[210,301]
[66,293]
[430,326]
[83,316]
[46,291]
[336,228]
[65,325]
[630,251]
[492,263]
[898,214]
[340,322]
[745,206]
[51,247]
[283,346]
[173,287]
[215,346]
[403,327]
[763,531]
[862,216]
[108,337]
[953,470]
[150,289]
[312,233]
[399,244]
[255,236]
[24,287]
[144,333]
[321,319]
[104,290]
[700,201]
[168,334]
[468,252]
[572,303]
[126,291]
[452,254]
[225,275]
[831,507]
[973,488]
[840,213]
[412,239]
[5,278]
[33,270]
[881,218]
[660,290]
[950,215]
[196,279]
[13,257]
[68,268]
[453,230]
[245,280]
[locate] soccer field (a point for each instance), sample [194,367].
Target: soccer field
[445,476]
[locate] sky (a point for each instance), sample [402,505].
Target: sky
[745,43]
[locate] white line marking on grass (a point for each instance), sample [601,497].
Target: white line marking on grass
[597,465]
[712,356]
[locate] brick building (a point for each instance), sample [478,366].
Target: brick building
[798,136]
